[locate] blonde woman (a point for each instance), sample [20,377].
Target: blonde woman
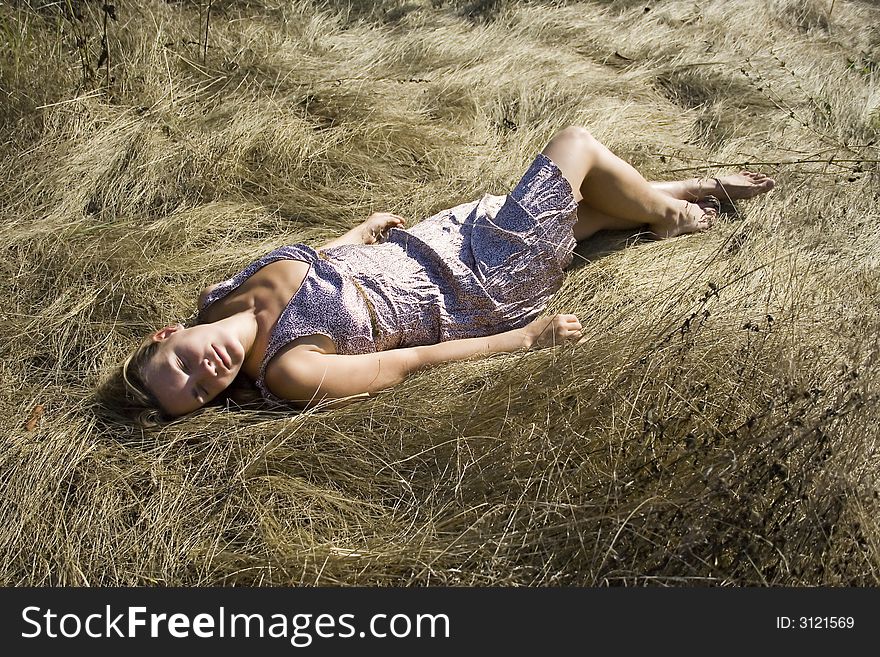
[361,313]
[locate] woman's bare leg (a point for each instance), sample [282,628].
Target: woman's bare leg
[734,186]
[590,221]
[615,189]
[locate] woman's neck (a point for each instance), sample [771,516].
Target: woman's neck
[245,326]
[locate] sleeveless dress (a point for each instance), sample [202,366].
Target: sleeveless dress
[476,269]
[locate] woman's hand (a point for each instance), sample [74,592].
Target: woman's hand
[552,331]
[372,230]
[377,225]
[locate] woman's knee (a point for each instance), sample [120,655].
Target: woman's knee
[576,144]
[577,135]
[574,150]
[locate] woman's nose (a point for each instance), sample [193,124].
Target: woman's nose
[208,367]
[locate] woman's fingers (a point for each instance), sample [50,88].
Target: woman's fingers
[387,220]
[392,221]
[569,321]
[566,328]
[379,223]
[555,330]
[571,328]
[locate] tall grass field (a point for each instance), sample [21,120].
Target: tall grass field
[719,426]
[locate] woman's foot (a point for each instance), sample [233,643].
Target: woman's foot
[744,184]
[688,218]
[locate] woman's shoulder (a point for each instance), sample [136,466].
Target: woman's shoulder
[291,252]
[203,295]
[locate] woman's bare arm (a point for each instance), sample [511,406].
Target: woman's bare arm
[307,376]
[372,230]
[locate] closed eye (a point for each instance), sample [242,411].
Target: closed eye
[198,393]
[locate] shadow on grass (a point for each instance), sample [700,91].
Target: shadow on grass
[603,244]
[607,242]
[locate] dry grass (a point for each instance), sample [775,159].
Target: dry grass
[720,427]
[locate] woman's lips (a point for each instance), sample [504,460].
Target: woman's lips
[222,358]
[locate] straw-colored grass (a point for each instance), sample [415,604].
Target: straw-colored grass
[719,426]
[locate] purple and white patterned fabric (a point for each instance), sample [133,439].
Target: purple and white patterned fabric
[476,269]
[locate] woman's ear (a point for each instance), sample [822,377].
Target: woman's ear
[164,333]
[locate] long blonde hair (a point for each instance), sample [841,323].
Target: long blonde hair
[141,402]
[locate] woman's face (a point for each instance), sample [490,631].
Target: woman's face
[192,366]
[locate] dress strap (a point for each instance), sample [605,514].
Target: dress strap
[290,252]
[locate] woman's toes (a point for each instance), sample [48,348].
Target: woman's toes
[745,184]
[763,185]
[708,219]
[700,218]
[710,202]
